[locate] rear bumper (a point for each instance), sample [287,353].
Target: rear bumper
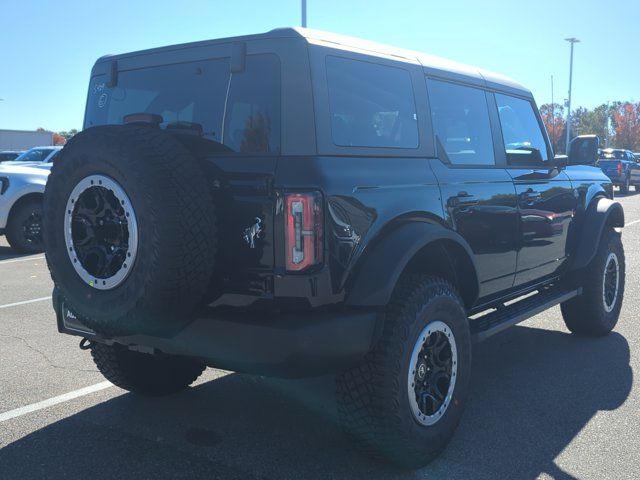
[289,345]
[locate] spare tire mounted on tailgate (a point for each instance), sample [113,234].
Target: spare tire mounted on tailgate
[129,230]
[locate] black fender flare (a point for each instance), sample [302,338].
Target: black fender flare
[375,280]
[599,214]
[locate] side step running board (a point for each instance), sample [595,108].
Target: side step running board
[507,315]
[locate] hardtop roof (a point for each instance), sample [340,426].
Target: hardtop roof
[431,63]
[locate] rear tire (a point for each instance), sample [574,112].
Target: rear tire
[24,228]
[145,374]
[596,311]
[388,404]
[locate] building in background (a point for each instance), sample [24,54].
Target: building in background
[24,139]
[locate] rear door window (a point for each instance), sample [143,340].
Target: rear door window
[371,105]
[461,123]
[521,132]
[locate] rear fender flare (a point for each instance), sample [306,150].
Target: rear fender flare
[384,263]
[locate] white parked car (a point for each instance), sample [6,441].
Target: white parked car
[41,157]
[21,195]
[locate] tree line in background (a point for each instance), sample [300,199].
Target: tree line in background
[617,124]
[60,138]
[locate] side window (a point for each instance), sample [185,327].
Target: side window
[461,123]
[523,138]
[371,105]
[252,120]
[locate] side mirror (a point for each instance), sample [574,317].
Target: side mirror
[583,150]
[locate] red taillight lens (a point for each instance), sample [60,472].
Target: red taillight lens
[619,167]
[304,230]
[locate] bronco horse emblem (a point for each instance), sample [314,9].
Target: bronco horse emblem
[252,233]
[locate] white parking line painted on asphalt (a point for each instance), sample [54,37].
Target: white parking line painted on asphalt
[632,223]
[25,302]
[14,260]
[34,407]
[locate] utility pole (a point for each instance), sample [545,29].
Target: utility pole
[553,116]
[304,13]
[572,41]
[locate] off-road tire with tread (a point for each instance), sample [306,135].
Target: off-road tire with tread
[177,238]
[373,401]
[586,313]
[145,374]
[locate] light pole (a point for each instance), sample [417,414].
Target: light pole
[304,13]
[571,40]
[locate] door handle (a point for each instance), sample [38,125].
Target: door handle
[530,196]
[463,200]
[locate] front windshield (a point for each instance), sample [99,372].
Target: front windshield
[35,155]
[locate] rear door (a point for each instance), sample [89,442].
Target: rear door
[477,192]
[547,201]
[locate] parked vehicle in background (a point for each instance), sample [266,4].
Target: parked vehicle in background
[622,167]
[637,156]
[41,157]
[21,194]
[9,155]
[299,203]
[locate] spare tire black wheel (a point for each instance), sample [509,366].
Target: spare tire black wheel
[130,230]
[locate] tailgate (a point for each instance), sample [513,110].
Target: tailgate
[610,167]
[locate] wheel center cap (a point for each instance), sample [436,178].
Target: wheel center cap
[422,371]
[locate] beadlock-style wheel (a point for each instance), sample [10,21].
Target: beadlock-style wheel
[432,373]
[610,282]
[100,232]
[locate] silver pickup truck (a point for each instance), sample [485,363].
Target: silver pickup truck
[21,194]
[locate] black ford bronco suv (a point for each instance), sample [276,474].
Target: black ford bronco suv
[298,203]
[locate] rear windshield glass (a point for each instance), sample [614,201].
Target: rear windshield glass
[240,112]
[371,105]
[612,155]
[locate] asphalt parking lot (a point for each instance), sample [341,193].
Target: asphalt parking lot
[545,404]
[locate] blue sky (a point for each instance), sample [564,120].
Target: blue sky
[47,48]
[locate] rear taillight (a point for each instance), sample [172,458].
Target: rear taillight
[304,234]
[619,167]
